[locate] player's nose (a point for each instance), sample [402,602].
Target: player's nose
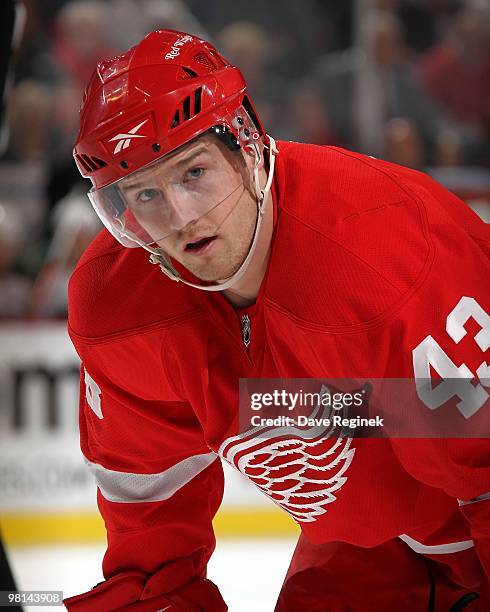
[182,212]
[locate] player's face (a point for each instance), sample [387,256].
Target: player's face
[198,206]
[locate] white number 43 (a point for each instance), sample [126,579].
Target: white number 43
[456,381]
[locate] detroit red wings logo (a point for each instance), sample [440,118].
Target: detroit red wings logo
[300,469]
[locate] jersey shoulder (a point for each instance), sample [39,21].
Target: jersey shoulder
[115,290]
[355,234]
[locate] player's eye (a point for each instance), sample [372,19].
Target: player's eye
[147,195]
[195,173]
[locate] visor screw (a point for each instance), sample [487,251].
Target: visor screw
[246,132]
[124,164]
[239,120]
[156,147]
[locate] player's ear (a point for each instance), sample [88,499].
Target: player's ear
[254,151]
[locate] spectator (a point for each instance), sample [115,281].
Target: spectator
[148,15]
[246,44]
[290,26]
[364,87]
[449,151]
[82,39]
[83,36]
[456,72]
[75,226]
[306,119]
[14,286]
[30,111]
[402,143]
[62,173]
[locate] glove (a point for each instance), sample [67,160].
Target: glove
[173,588]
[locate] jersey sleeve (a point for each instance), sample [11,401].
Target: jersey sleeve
[446,338]
[159,486]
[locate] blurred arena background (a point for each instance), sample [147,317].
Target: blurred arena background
[404,80]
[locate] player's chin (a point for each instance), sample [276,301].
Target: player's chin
[214,273]
[212,276]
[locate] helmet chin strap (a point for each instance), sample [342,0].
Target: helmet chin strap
[159,257]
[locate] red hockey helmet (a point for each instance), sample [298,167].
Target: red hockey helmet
[158,96]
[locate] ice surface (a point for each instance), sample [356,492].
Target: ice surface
[249,572]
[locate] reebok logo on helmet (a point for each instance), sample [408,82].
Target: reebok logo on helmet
[123,140]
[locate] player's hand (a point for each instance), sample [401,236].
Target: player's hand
[171,589]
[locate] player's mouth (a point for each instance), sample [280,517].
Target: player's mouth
[200,246]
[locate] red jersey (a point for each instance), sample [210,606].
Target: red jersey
[369,262]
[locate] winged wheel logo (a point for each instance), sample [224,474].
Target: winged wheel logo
[300,469]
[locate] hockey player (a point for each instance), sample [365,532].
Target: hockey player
[279,260]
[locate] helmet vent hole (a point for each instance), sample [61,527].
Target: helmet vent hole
[187,73]
[219,61]
[186,107]
[175,120]
[100,162]
[205,60]
[84,164]
[197,100]
[191,106]
[90,164]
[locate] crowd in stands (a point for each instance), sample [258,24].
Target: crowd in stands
[404,80]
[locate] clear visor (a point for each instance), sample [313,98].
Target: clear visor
[172,193]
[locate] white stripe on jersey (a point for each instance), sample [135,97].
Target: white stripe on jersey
[127,487]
